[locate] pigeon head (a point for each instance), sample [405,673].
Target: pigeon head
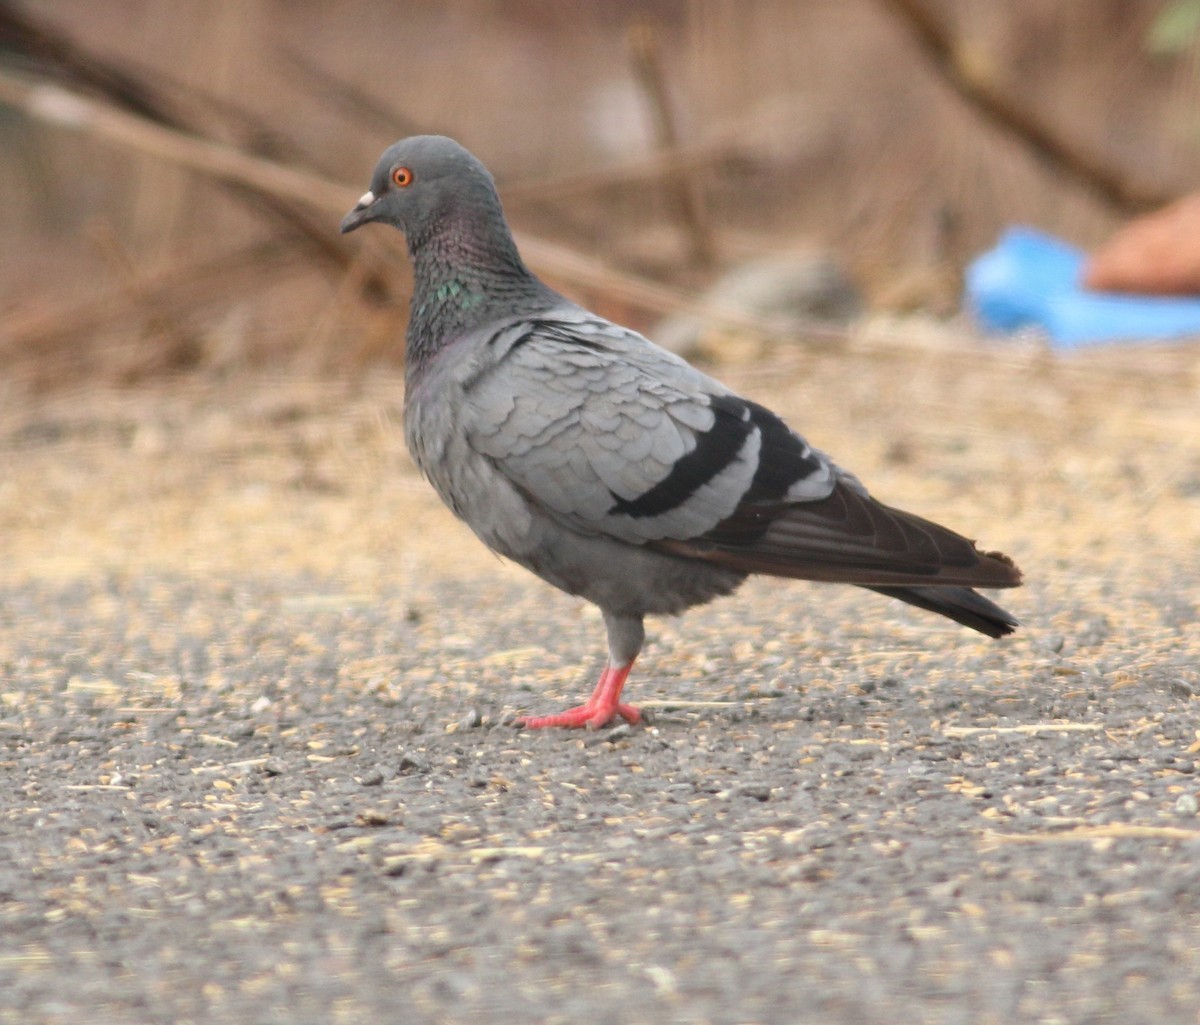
[466,268]
[424,184]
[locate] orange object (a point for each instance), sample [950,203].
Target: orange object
[1157,254]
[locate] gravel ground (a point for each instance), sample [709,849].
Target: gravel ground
[254,684]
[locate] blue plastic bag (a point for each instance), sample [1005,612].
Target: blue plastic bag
[1031,279]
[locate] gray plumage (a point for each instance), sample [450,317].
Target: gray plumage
[606,465]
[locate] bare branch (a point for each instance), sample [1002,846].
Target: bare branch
[1114,186]
[651,77]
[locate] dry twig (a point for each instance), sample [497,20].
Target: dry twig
[174,288]
[648,68]
[1028,729]
[1112,831]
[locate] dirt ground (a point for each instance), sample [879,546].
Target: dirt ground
[254,764]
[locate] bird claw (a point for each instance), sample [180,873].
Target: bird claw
[599,710]
[592,716]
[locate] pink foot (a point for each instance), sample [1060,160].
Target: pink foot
[593,716]
[599,710]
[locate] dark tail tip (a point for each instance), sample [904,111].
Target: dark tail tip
[958,603]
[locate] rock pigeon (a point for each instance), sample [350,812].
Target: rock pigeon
[609,467]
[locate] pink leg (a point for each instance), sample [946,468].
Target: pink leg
[601,708]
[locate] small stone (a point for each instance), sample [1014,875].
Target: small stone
[410,764]
[596,737]
[1186,804]
[370,778]
[472,720]
[757,791]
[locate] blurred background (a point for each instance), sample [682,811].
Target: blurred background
[877,145]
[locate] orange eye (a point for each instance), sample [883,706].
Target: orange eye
[402,177]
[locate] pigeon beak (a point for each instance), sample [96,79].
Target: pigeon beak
[361,214]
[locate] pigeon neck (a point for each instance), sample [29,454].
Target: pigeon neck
[464,277]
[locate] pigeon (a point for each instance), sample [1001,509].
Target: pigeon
[609,467]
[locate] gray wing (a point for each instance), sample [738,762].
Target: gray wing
[616,436]
[611,435]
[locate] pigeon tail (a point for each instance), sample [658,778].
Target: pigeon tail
[958,603]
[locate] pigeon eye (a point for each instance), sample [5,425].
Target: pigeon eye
[402,177]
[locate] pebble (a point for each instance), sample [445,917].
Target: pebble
[274,767]
[410,764]
[1054,642]
[594,738]
[370,778]
[1186,804]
